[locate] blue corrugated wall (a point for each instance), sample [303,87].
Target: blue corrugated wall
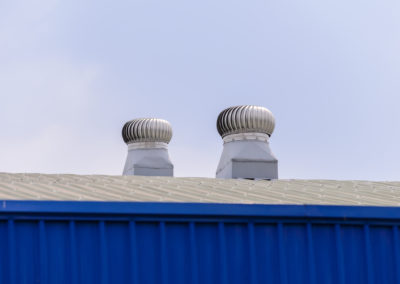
[73,242]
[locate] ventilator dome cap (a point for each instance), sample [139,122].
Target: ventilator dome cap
[147,130]
[245,119]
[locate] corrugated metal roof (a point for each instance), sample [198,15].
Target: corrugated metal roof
[204,190]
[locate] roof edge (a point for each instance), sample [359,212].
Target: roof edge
[198,209]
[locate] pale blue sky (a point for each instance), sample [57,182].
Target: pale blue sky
[72,72]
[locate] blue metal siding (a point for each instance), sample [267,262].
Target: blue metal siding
[84,242]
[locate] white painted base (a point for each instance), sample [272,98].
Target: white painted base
[248,156]
[148,161]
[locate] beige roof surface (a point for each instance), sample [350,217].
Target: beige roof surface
[206,190]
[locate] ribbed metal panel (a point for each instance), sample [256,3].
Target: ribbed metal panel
[244,119]
[147,130]
[79,244]
[207,190]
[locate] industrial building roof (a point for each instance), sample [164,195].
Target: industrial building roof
[197,190]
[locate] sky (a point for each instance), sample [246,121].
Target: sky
[73,72]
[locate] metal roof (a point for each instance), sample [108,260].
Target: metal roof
[197,190]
